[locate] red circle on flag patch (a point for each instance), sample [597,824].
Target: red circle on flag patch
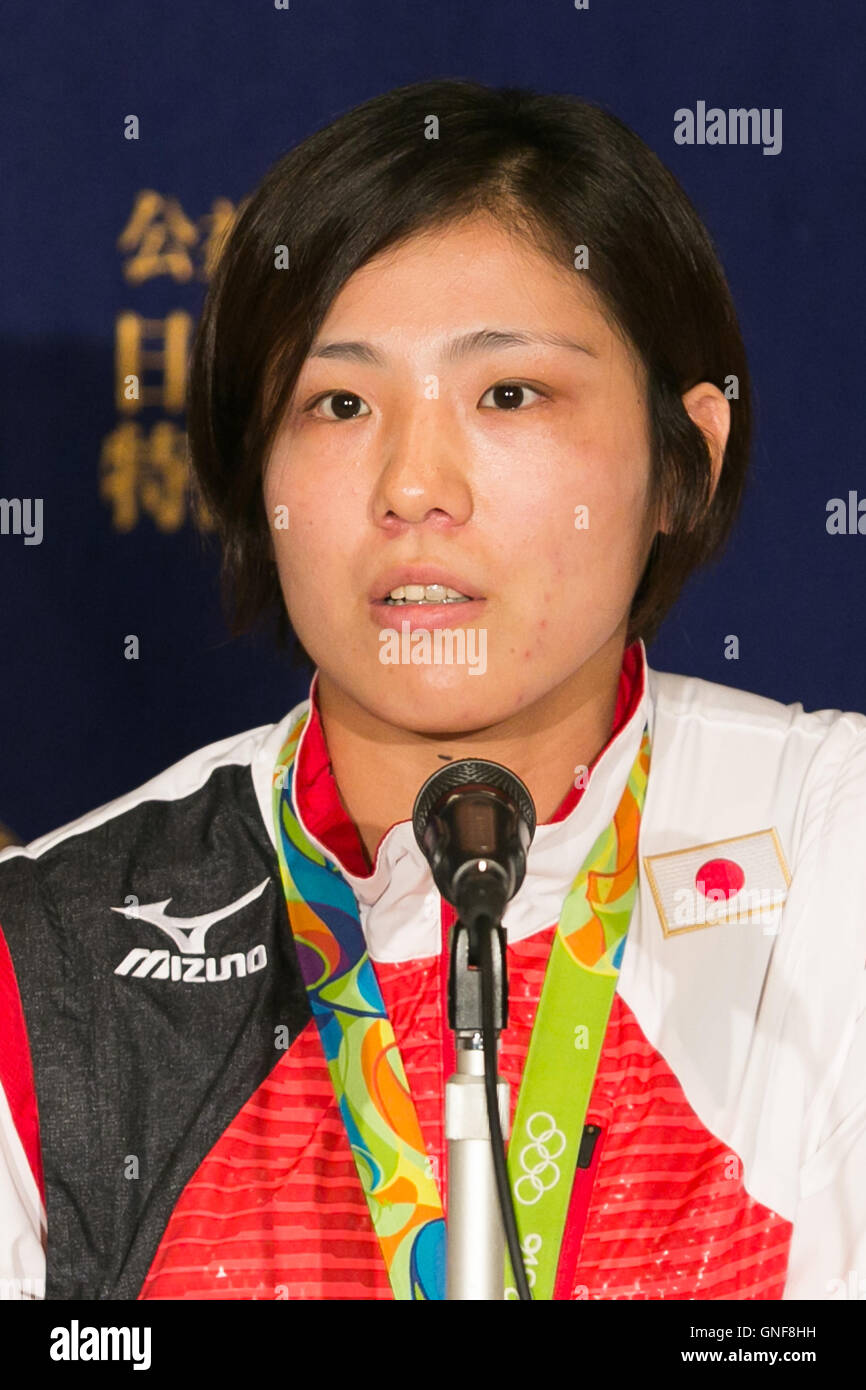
[720,876]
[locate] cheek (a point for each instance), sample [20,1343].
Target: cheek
[608,485]
[286,520]
[577,569]
[313,519]
[283,489]
[583,508]
[275,482]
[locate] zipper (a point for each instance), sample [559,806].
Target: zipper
[588,1159]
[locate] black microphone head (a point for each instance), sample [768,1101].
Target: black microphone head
[462,773]
[474,821]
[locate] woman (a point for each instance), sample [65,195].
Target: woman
[466,371]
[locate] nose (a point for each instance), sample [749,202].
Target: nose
[423,475]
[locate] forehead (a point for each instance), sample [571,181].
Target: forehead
[463,276]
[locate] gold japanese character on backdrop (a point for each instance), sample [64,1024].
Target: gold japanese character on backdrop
[159,237]
[148,472]
[151,345]
[144,467]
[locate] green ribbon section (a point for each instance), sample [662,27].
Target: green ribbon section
[563,1058]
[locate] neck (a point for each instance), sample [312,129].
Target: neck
[542,744]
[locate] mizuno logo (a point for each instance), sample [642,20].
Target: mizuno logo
[188,935]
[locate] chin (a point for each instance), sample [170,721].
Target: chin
[454,704]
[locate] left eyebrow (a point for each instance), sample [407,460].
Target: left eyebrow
[482,340]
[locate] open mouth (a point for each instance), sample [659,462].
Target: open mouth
[424,594]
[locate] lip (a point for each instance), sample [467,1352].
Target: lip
[425,615]
[400,575]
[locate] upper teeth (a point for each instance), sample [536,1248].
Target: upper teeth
[424,593]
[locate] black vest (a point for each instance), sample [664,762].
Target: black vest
[147,1036]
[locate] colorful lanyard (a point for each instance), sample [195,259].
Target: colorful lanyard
[367,1072]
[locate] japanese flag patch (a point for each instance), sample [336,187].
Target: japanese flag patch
[744,879]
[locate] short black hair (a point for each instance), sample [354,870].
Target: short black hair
[558,170]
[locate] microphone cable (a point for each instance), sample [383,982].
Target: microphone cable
[497,1141]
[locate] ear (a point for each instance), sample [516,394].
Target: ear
[710,410]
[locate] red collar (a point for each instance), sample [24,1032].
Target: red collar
[319,802]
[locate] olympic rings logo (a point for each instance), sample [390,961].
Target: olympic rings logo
[537,1159]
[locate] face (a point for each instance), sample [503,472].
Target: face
[487,431]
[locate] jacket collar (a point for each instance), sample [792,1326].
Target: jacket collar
[398,901]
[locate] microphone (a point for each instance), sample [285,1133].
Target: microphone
[474,821]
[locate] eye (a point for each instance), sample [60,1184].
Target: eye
[344,405]
[511,395]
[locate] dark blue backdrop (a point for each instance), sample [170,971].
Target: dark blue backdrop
[223,88]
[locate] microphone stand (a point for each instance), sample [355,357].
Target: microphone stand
[476,1237]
